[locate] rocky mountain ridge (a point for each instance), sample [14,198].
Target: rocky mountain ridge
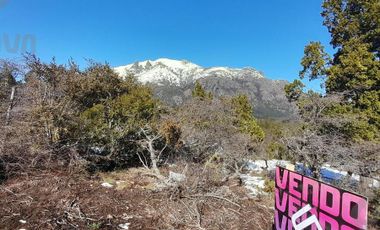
[173,81]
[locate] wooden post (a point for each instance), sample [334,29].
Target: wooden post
[10,105]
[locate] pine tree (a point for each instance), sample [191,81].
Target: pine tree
[294,90]
[200,93]
[245,118]
[354,70]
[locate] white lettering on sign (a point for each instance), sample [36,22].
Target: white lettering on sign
[306,223]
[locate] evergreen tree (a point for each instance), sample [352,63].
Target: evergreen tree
[245,118]
[200,93]
[115,123]
[354,70]
[294,90]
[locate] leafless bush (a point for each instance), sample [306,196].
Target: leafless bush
[207,200]
[209,130]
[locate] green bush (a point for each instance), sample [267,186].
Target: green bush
[245,118]
[115,124]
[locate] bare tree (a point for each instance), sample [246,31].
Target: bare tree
[12,97]
[8,73]
[321,140]
[211,134]
[149,143]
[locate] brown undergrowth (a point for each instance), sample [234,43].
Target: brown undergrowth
[63,200]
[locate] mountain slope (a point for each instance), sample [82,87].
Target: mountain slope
[173,80]
[176,72]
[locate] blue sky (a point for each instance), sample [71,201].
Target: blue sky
[267,35]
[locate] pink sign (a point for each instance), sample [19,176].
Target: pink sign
[334,208]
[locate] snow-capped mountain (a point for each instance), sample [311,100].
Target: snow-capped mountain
[172,82]
[176,72]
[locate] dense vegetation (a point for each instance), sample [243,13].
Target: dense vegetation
[353,72]
[343,125]
[349,112]
[81,123]
[67,129]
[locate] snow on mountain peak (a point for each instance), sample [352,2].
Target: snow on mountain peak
[177,72]
[177,64]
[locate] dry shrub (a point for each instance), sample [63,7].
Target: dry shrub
[21,154]
[208,199]
[59,200]
[208,127]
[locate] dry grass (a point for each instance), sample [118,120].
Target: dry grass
[60,200]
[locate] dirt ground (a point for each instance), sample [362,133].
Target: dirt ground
[62,200]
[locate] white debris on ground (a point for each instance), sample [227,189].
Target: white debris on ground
[22,221]
[107,185]
[326,169]
[375,184]
[124,226]
[173,180]
[176,177]
[261,165]
[254,184]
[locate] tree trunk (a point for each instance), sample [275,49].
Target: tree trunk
[153,157]
[8,116]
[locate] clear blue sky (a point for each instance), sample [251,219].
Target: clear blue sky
[267,35]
